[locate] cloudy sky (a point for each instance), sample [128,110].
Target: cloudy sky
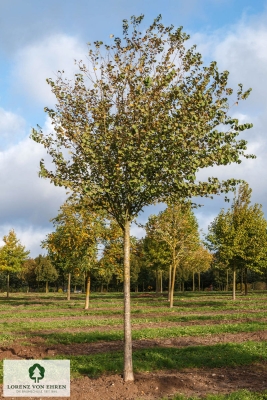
[38,38]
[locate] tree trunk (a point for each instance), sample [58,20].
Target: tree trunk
[234,282]
[183,286]
[161,282]
[172,285]
[227,276]
[7,288]
[128,358]
[157,282]
[199,281]
[68,290]
[193,281]
[87,290]
[246,281]
[241,280]
[46,287]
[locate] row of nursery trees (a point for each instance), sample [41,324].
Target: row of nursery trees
[86,246]
[133,128]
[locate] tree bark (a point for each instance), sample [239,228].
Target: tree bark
[128,358]
[246,281]
[172,285]
[234,283]
[7,288]
[193,281]
[227,276]
[68,290]
[87,290]
[46,287]
[161,282]
[199,281]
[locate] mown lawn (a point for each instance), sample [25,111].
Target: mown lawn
[58,322]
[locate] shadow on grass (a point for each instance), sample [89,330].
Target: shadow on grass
[221,355]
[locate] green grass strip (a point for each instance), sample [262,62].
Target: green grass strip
[152,333]
[240,395]
[153,359]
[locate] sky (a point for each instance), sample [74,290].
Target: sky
[40,38]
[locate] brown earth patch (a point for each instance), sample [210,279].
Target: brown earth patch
[37,348]
[154,386]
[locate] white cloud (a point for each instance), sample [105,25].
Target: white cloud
[41,60]
[12,128]
[27,203]
[241,49]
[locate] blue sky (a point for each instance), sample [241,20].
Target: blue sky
[40,38]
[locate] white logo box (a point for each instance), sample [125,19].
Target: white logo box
[33,378]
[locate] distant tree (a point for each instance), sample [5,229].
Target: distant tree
[45,271]
[177,228]
[239,235]
[75,240]
[12,255]
[28,272]
[138,123]
[157,257]
[201,262]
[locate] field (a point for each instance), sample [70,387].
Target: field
[207,346]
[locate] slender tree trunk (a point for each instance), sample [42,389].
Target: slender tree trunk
[68,290]
[87,290]
[199,281]
[172,285]
[246,281]
[193,281]
[46,287]
[161,282]
[227,278]
[128,359]
[241,280]
[157,281]
[183,286]
[101,288]
[234,282]
[7,286]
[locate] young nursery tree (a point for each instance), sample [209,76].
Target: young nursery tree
[78,231]
[177,228]
[134,127]
[12,255]
[45,271]
[239,235]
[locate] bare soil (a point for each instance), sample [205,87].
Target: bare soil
[151,386]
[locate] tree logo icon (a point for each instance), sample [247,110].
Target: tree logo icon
[36,372]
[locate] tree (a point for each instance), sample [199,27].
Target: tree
[45,271]
[12,255]
[78,231]
[156,257]
[28,272]
[177,228]
[201,261]
[239,235]
[137,124]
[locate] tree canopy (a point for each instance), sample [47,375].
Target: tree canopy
[141,117]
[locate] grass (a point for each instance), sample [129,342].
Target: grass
[187,319]
[240,395]
[153,359]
